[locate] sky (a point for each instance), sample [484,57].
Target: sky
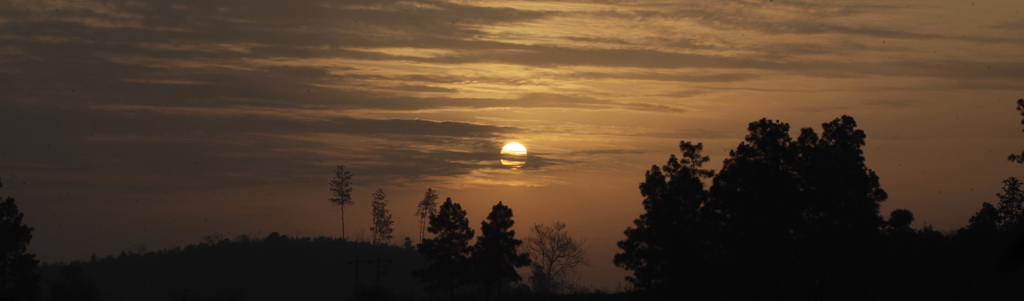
[129,125]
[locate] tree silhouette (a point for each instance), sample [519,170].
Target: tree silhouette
[496,253]
[382,223]
[785,212]
[18,279]
[341,189]
[1011,204]
[1007,215]
[1019,158]
[758,187]
[555,254]
[676,228]
[425,208]
[985,221]
[900,220]
[448,251]
[842,195]
[407,243]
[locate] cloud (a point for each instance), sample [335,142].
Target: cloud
[206,78]
[177,148]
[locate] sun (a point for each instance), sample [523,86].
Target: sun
[513,155]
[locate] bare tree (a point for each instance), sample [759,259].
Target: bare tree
[382,223]
[555,255]
[341,189]
[426,208]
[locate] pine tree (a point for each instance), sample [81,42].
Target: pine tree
[382,223]
[496,253]
[18,279]
[448,251]
[673,237]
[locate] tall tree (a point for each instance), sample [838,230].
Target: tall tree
[425,208]
[382,223]
[341,189]
[985,221]
[496,253]
[775,189]
[669,245]
[1011,204]
[840,192]
[448,251]
[18,280]
[758,188]
[555,255]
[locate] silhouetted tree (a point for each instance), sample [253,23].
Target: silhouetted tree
[382,223]
[1019,158]
[758,187]
[783,211]
[425,208]
[18,278]
[448,251]
[668,246]
[341,189]
[776,189]
[985,221]
[795,210]
[555,255]
[1011,204]
[1007,215]
[407,243]
[496,253]
[842,195]
[900,220]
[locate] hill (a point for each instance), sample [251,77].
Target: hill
[277,267]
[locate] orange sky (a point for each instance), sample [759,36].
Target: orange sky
[153,123]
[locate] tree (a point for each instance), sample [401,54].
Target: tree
[555,255]
[382,223]
[1007,215]
[793,210]
[425,208]
[841,193]
[448,251]
[900,220]
[1019,158]
[496,253]
[1011,204]
[341,189]
[18,280]
[669,246]
[758,187]
[985,221]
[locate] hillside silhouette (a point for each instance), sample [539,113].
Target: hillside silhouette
[275,267]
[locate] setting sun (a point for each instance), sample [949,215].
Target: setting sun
[513,155]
